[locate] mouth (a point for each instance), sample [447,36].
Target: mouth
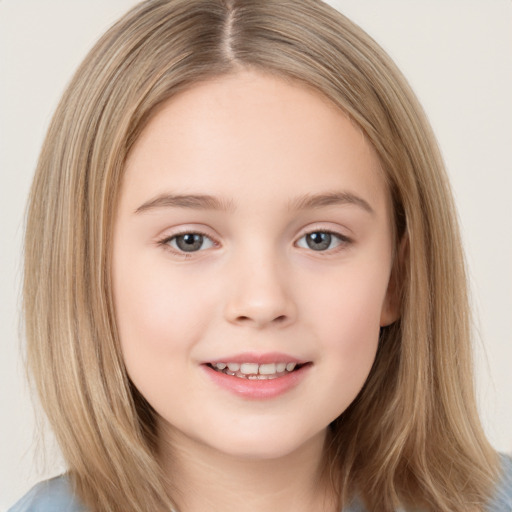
[257,376]
[255,371]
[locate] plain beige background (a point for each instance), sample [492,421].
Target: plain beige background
[457,54]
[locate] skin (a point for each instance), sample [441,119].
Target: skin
[257,143]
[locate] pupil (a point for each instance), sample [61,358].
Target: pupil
[189,242]
[318,241]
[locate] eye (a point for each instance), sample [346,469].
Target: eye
[322,240]
[189,242]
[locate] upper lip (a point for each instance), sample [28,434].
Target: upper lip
[254,357]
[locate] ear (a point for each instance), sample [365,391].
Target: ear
[391,308]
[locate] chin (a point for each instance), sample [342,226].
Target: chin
[263,443]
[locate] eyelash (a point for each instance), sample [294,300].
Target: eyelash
[343,242]
[166,241]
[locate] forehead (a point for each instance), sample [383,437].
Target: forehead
[254,136]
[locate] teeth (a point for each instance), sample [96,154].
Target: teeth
[249,368]
[254,371]
[267,369]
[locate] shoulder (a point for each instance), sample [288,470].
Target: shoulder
[53,495]
[502,501]
[56,495]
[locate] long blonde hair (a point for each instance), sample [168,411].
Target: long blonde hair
[412,436]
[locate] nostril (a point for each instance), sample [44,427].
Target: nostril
[277,320]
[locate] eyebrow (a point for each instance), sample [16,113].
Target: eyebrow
[192,201]
[208,202]
[313,201]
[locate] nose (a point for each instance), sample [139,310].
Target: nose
[259,294]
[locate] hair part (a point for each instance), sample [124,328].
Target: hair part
[413,434]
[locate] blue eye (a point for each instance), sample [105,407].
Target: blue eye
[321,240]
[189,242]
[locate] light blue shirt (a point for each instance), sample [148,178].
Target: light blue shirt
[55,495]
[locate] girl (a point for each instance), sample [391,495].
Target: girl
[250,287]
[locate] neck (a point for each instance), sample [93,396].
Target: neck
[206,479]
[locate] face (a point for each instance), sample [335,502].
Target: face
[251,259]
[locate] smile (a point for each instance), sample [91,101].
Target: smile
[257,376]
[255,371]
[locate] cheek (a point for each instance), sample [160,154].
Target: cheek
[161,318]
[346,317]
[350,299]
[158,313]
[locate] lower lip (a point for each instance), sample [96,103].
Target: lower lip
[257,389]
